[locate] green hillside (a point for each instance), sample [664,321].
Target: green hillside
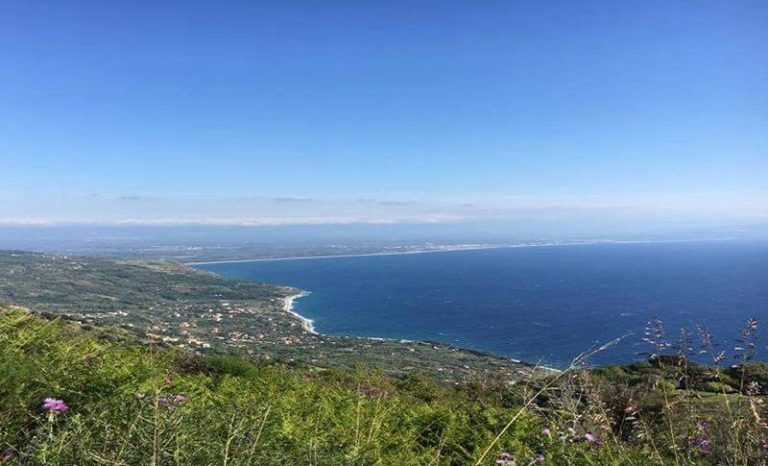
[129,403]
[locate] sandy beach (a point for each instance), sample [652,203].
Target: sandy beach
[449,248]
[368,254]
[307,324]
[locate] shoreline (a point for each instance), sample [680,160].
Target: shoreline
[457,248]
[288,302]
[309,326]
[366,254]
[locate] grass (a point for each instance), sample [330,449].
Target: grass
[237,413]
[131,403]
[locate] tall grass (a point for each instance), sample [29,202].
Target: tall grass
[131,404]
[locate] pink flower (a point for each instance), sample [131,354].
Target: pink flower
[701,442]
[505,459]
[546,432]
[52,404]
[589,437]
[181,399]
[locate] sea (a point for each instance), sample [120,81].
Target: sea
[544,304]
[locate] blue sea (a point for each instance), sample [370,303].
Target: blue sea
[537,304]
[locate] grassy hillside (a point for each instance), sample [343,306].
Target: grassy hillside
[235,412]
[135,404]
[188,308]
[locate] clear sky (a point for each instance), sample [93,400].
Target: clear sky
[315,111]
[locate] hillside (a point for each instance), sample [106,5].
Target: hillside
[184,307]
[77,394]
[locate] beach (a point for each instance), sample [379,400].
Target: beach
[470,247]
[288,301]
[446,248]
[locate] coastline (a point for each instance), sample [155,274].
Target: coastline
[457,248]
[288,302]
[309,326]
[367,254]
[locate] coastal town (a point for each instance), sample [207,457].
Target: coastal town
[176,305]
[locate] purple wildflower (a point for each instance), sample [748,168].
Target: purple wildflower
[703,425]
[180,399]
[539,458]
[764,445]
[505,459]
[8,453]
[589,437]
[52,404]
[701,442]
[546,432]
[163,401]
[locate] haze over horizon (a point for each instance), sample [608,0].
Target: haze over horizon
[598,117]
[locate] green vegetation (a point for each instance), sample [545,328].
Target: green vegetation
[236,413]
[130,403]
[184,307]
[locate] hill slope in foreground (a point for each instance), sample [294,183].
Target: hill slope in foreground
[181,306]
[74,394]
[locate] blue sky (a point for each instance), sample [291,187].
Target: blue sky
[313,112]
